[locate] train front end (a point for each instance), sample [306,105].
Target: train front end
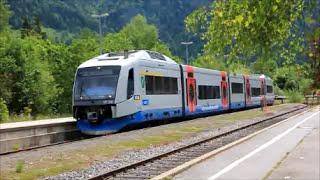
[102,97]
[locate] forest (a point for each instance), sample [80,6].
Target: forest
[43,42]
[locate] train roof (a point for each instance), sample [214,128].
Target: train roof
[121,58]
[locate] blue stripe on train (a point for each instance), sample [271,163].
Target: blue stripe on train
[237,105]
[114,125]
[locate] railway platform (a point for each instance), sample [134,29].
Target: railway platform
[287,150]
[29,134]
[27,124]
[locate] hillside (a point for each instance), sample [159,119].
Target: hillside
[69,17]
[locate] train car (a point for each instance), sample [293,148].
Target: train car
[203,91]
[115,90]
[253,90]
[269,91]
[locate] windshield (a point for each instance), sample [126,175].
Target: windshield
[96,83]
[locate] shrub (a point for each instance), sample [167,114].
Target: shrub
[278,91]
[4,113]
[294,96]
[19,166]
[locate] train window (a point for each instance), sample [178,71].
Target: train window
[161,85]
[269,89]
[255,92]
[155,55]
[130,85]
[237,88]
[149,84]
[208,92]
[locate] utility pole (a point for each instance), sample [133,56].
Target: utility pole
[99,16]
[187,50]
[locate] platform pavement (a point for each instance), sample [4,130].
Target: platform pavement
[303,162]
[44,122]
[294,155]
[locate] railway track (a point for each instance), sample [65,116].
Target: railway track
[157,165]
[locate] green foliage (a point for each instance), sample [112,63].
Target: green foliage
[68,18]
[294,96]
[141,34]
[137,35]
[293,78]
[19,166]
[4,113]
[32,28]
[198,21]
[207,61]
[65,61]
[278,91]
[246,29]
[37,74]
[5,14]
[29,75]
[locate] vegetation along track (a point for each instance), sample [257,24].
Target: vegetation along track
[154,166]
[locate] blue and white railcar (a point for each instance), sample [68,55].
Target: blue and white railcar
[115,90]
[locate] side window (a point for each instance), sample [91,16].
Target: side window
[237,88]
[208,92]
[269,89]
[156,85]
[130,86]
[255,92]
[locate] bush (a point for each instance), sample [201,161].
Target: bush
[19,166]
[294,96]
[278,91]
[4,113]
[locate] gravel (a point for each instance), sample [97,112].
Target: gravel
[132,156]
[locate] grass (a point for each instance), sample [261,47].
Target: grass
[84,157]
[294,96]
[19,166]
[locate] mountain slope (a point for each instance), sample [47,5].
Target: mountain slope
[73,15]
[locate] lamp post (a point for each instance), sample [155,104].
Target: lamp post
[99,16]
[187,50]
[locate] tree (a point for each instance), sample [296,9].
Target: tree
[64,61]
[4,113]
[5,14]
[31,82]
[26,29]
[141,34]
[247,30]
[137,35]
[37,28]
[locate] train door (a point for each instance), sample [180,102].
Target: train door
[263,86]
[224,90]
[248,90]
[262,90]
[191,90]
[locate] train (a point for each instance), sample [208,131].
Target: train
[116,90]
